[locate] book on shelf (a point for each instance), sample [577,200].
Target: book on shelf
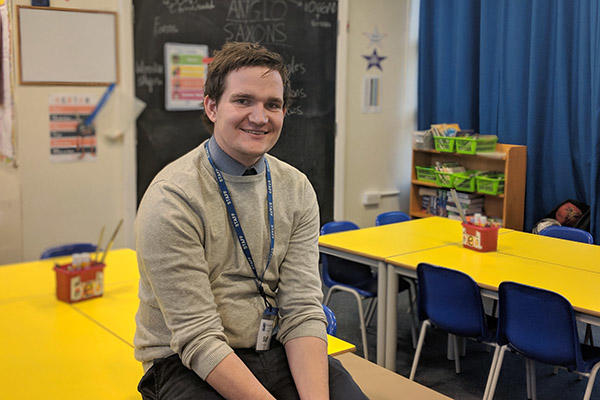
[425,191]
[469,196]
[435,204]
[467,203]
[467,211]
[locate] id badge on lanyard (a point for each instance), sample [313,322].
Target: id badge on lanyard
[269,317]
[265,330]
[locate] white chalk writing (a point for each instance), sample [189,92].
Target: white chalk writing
[294,67]
[298,94]
[148,75]
[257,10]
[159,29]
[260,21]
[295,110]
[318,8]
[246,32]
[184,6]
[142,68]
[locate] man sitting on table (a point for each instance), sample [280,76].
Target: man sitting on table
[227,249]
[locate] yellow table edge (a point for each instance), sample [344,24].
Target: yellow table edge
[336,346]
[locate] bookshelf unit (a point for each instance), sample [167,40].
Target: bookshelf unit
[511,159]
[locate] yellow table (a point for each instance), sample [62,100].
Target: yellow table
[490,269]
[123,297]
[371,246]
[380,242]
[551,250]
[52,349]
[33,278]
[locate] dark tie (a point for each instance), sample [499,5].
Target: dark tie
[249,171]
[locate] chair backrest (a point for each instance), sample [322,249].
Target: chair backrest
[568,233]
[391,217]
[337,270]
[68,249]
[538,323]
[331,322]
[451,300]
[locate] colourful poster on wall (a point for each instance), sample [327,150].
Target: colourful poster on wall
[67,142]
[185,71]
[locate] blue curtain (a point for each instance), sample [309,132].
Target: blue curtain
[533,79]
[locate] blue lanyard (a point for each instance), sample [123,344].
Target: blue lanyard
[235,222]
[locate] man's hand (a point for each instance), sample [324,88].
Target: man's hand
[233,380]
[307,357]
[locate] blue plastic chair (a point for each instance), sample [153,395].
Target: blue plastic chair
[451,301]
[68,249]
[331,322]
[391,217]
[568,233]
[576,235]
[351,277]
[540,325]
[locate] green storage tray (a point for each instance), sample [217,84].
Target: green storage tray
[443,179]
[472,145]
[444,143]
[464,181]
[490,184]
[425,174]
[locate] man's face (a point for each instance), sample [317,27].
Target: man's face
[249,116]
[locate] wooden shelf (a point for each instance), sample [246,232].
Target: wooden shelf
[434,185]
[420,214]
[510,159]
[499,154]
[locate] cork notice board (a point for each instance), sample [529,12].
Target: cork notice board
[60,46]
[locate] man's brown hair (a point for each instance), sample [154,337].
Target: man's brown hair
[236,55]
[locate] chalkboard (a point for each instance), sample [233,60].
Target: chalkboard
[303,32]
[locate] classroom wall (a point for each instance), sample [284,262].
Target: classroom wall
[54,203]
[376,149]
[11,242]
[44,203]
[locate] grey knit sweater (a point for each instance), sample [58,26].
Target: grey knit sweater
[197,295]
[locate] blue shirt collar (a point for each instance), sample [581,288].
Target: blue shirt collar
[226,164]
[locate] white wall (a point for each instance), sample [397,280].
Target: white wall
[373,150]
[55,203]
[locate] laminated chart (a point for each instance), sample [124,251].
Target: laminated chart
[67,143]
[185,71]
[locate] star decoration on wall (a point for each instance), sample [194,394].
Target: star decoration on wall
[374,60]
[375,37]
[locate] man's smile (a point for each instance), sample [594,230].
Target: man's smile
[254,132]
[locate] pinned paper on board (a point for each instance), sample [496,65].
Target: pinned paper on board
[185,72]
[66,113]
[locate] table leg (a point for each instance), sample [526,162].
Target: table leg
[391,344]
[381,311]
